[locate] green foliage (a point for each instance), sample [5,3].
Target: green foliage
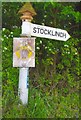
[54,82]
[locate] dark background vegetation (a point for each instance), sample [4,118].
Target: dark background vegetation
[55,81]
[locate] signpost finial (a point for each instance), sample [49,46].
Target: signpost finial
[28,11]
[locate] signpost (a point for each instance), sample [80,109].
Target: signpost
[24,47]
[46,32]
[24,52]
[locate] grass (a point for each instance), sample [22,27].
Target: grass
[42,104]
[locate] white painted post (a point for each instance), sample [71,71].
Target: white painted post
[23,84]
[27,12]
[24,72]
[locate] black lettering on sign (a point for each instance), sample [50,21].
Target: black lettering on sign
[45,31]
[57,33]
[41,31]
[34,29]
[53,34]
[49,32]
[65,35]
[38,30]
[61,34]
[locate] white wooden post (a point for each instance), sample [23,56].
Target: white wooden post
[23,84]
[24,72]
[27,12]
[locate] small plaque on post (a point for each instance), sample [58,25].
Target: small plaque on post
[23,52]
